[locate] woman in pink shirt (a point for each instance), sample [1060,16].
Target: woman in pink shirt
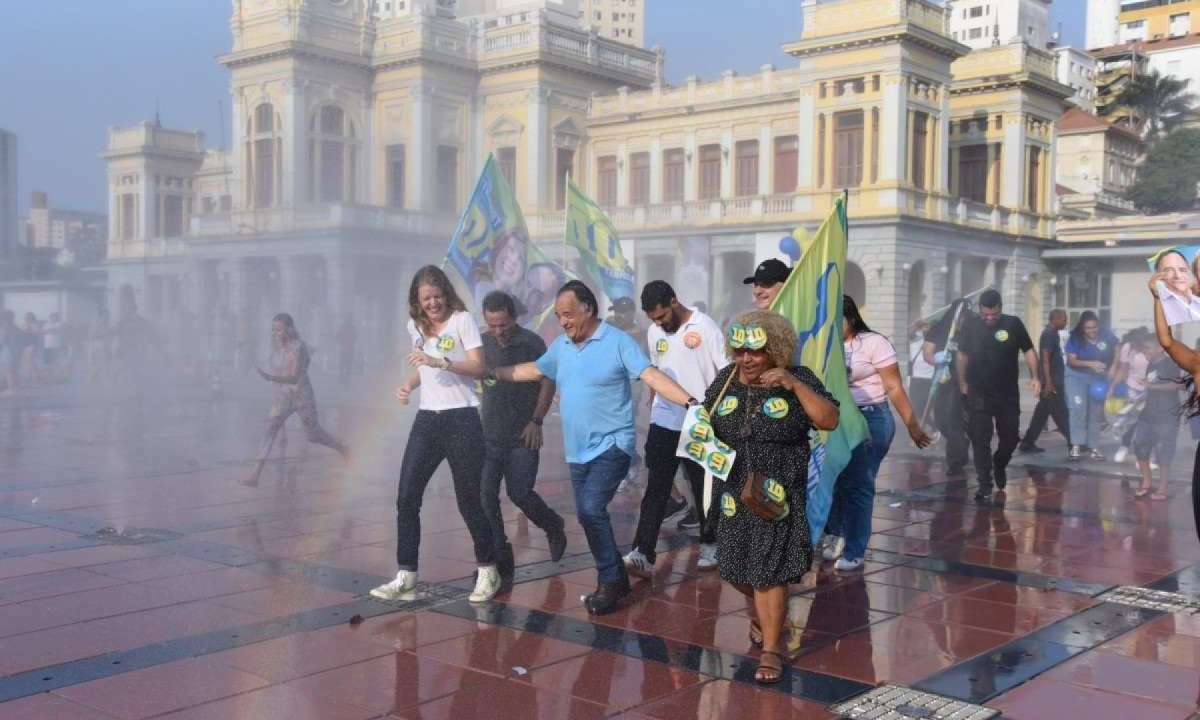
[874,377]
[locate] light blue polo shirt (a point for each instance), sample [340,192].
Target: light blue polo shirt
[594,390]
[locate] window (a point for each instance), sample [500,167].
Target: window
[1033,183]
[506,158]
[746,167]
[332,157]
[787,158]
[564,165]
[606,180]
[128,216]
[639,178]
[264,156]
[920,146]
[447,179]
[975,33]
[848,149]
[710,172]
[1080,289]
[673,162]
[975,12]
[395,176]
[171,222]
[1181,24]
[973,172]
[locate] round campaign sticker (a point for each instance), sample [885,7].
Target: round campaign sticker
[702,432]
[691,339]
[1001,335]
[775,408]
[774,490]
[695,451]
[445,343]
[661,347]
[1102,345]
[728,505]
[728,405]
[756,337]
[718,463]
[490,382]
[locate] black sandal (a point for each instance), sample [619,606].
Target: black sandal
[766,673]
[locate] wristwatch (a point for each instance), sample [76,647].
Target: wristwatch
[446,363]
[692,402]
[537,421]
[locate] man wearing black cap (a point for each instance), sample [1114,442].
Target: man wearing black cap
[767,280]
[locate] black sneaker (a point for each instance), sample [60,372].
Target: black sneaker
[557,539]
[607,597]
[1000,477]
[983,497]
[1031,449]
[674,507]
[689,521]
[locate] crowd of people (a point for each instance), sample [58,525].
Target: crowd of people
[35,352]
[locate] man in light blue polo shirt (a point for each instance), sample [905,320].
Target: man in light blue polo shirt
[593,364]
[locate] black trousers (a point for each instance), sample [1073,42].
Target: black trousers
[952,424]
[986,412]
[1196,491]
[661,464]
[1052,406]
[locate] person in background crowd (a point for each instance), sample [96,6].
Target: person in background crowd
[447,357]
[688,347]
[767,281]
[920,373]
[1127,380]
[874,375]
[8,371]
[1051,373]
[1188,360]
[988,374]
[31,358]
[594,366]
[1157,429]
[940,346]
[53,344]
[1090,353]
[512,429]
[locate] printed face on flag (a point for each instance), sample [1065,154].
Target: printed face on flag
[1178,285]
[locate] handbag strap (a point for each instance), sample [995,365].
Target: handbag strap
[724,389]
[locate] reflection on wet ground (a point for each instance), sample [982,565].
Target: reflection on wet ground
[139,579]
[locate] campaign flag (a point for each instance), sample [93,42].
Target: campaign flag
[589,231]
[811,299]
[491,250]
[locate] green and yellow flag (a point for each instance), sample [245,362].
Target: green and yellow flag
[590,232]
[812,300]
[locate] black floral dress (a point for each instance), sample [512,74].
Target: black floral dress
[768,429]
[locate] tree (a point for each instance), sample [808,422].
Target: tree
[1168,178]
[1160,101]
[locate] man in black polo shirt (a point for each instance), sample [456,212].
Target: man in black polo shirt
[512,429]
[988,378]
[1052,403]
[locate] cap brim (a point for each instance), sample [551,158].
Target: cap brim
[748,281]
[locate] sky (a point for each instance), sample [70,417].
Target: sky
[74,68]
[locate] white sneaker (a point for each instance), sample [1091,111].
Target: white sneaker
[847,565]
[1120,455]
[832,547]
[708,557]
[487,584]
[637,564]
[1154,465]
[404,583]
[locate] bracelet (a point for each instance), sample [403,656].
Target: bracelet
[536,421]
[692,402]
[446,362]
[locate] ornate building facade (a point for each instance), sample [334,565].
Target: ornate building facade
[357,136]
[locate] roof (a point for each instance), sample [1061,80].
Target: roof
[1147,46]
[1078,120]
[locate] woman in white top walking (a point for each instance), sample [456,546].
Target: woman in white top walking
[448,358]
[874,378]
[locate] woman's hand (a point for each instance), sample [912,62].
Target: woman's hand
[404,394]
[777,377]
[917,433]
[263,374]
[1155,279]
[417,358]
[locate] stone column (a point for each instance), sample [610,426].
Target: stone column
[539,144]
[893,131]
[656,174]
[766,161]
[1013,166]
[421,151]
[292,188]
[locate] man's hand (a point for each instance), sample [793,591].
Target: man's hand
[962,388]
[531,436]
[1049,390]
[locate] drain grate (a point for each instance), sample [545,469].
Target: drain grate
[893,702]
[131,536]
[425,596]
[1152,599]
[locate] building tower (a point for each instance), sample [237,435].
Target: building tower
[1103,24]
[999,22]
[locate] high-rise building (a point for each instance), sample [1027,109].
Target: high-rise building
[988,23]
[623,20]
[8,195]
[1103,23]
[1157,19]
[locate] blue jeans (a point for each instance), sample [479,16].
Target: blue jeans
[854,493]
[517,467]
[1086,413]
[595,482]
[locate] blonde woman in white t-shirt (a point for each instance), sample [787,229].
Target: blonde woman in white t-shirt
[874,376]
[447,358]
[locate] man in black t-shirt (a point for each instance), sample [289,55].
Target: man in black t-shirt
[512,416]
[1052,403]
[988,378]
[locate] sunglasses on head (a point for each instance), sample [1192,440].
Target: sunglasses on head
[746,337]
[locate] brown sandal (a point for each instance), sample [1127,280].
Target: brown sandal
[756,634]
[769,673]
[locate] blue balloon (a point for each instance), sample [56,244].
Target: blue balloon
[788,246]
[1098,390]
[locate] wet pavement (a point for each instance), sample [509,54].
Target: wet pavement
[139,579]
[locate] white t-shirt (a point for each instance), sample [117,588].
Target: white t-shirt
[442,389]
[867,354]
[52,333]
[691,356]
[918,368]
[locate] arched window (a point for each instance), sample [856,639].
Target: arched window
[333,155]
[264,155]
